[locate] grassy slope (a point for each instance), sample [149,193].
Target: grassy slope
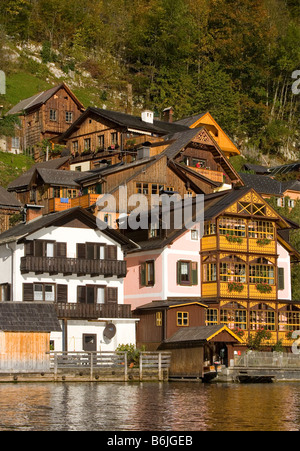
[11,166]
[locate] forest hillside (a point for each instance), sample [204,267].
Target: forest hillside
[234,58]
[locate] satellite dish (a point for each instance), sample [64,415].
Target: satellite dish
[109,331]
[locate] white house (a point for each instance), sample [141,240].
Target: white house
[64,258]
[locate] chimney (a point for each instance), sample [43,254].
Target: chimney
[147,116]
[168,114]
[32,212]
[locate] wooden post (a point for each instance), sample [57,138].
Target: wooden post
[91,364]
[160,376]
[125,367]
[141,366]
[55,366]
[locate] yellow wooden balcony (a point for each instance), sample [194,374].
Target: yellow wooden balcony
[227,245]
[269,248]
[254,293]
[225,291]
[209,243]
[209,289]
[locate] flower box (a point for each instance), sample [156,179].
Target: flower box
[263,287]
[235,286]
[263,242]
[234,239]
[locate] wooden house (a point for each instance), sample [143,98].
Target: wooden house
[46,114]
[9,206]
[286,192]
[242,272]
[63,259]
[25,336]
[198,352]
[206,120]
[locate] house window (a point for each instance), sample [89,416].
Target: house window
[147,273]
[97,294]
[53,115]
[232,226]
[5,292]
[182,319]
[114,138]
[210,272]
[262,318]
[101,141]
[262,274]
[15,143]
[291,203]
[211,316]
[69,116]
[232,272]
[87,144]
[56,192]
[210,228]
[75,146]
[261,230]
[43,292]
[158,319]
[194,235]
[187,273]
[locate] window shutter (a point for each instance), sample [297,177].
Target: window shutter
[280,278]
[143,274]
[38,248]
[111,252]
[61,249]
[62,293]
[27,292]
[179,273]
[81,294]
[81,250]
[194,273]
[29,248]
[112,295]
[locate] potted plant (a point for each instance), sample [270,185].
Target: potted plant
[234,239]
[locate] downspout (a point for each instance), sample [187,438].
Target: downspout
[12,272]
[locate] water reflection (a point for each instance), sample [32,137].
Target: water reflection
[149,407]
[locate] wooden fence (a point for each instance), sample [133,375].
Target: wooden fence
[155,362]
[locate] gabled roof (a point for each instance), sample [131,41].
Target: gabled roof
[8,200]
[23,181]
[21,231]
[258,169]
[200,334]
[28,317]
[171,303]
[264,184]
[205,119]
[285,168]
[41,98]
[126,121]
[183,138]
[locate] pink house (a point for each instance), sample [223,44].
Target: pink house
[166,268]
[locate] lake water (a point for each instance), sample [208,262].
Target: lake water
[173,406]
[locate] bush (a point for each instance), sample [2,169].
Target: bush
[133,354]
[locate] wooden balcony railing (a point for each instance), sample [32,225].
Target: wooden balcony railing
[58,204]
[73,310]
[67,266]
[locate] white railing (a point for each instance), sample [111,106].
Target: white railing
[267,360]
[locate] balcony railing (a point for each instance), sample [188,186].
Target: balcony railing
[67,266]
[73,310]
[58,204]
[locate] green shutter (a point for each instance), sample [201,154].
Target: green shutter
[280,278]
[143,274]
[194,273]
[179,273]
